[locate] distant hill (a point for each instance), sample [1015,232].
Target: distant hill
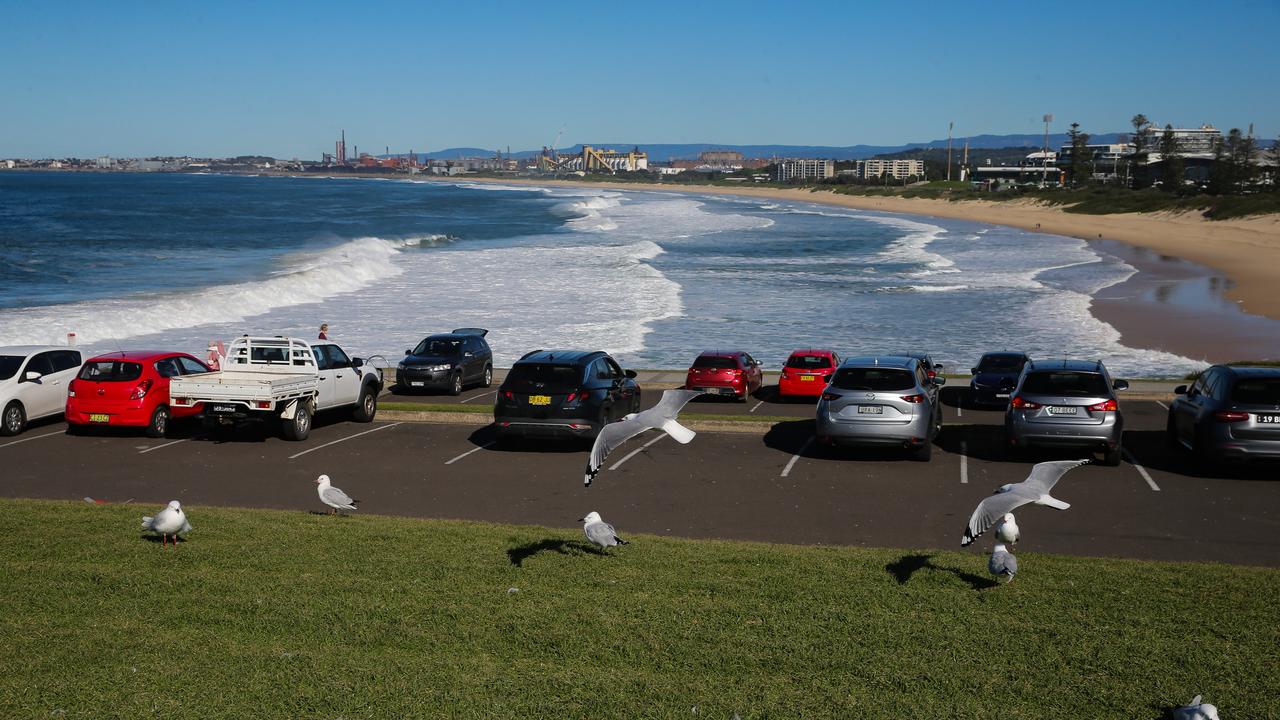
[661,152]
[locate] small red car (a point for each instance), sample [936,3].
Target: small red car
[806,373]
[129,389]
[726,373]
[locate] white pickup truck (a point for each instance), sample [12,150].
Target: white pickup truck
[278,377]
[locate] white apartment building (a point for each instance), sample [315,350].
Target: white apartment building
[896,169]
[1193,142]
[805,170]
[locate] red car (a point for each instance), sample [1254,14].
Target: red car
[129,389]
[806,373]
[726,373]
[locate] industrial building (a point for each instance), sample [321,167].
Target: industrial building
[592,159]
[896,169]
[805,169]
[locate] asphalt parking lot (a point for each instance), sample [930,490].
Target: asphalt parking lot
[772,485]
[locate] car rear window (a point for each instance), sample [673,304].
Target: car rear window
[1000,363]
[110,371]
[874,379]
[715,361]
[1068,384]
[1256,391]
[9,365]
[543,377]
[808,362]
[438,346]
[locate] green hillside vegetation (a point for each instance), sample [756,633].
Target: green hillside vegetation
[288,614]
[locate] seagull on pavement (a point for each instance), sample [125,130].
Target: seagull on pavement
[659,417]
[1007,530]
[600,532]
[1003,563]
[169,521]
[332,496]
[1196,710]
[1035,489]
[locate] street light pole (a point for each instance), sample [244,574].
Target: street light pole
[949,126]
[1044,159]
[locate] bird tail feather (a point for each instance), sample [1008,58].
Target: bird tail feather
[146,522]
[589,475]
[1195,700]
[680,433]
[1054,503]
[620,540]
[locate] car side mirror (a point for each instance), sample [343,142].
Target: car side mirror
[629,373]
[406,352]
[1180,390]
[973,371]
[939,380]
[357,362]
[1120,384]
[937,366]
[32,376]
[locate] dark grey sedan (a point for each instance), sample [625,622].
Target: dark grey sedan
[1230,413]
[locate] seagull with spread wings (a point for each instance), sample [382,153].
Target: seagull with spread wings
[659,417]
[1034,490]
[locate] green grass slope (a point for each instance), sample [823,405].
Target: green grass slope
[276,614]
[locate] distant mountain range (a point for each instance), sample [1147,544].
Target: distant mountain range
[662,152]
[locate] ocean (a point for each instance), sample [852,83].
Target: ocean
[174,261]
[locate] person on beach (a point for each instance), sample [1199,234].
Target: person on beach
[324,331]
[214,357]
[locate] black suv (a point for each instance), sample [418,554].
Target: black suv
[563,393]
[447,362]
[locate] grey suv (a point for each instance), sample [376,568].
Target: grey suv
[886,401]
[1066,403]
[1228,412]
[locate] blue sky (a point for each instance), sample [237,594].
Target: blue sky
[225,78]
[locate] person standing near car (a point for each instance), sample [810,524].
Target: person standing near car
[324,331]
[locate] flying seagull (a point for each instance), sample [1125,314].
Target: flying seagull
[1003,563]
[1035,489]
[169,521]
[332,496]
[1196,710]
[659,417]
[600,532]
[1007,530]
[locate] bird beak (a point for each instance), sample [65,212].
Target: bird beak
[582,519]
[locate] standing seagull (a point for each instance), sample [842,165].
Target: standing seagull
[600,532]
[169,521]
[1003,563]
[1035,489]
[1196,710]
[334,497]
[659,417]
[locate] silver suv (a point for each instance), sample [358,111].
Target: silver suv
[1230,413]
[1066,403]
[886,401]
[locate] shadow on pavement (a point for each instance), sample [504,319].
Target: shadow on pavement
[1150,449]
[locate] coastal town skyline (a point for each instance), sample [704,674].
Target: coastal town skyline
[129,81]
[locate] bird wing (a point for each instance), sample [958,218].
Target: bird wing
[147,521]
[991,509]
[335,497]
[600,533]
[669,407]
[610,437]
[1047,474]
[1011,563]
[186,526]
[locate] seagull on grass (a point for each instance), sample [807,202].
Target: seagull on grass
[1034,490]
[169,521]
[659,417]
[1003,563]
[1196,710]
[334,497]
[600,532]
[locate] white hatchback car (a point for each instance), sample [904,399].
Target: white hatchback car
[33,383]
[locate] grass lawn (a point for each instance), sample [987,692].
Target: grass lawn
[268,614]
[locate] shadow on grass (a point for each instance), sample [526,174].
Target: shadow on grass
[157,538]
[517,555]
[907,565]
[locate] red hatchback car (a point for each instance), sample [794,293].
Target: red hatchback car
[129,389]
[807,373]
[726,373]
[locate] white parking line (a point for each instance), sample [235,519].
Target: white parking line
[1166,407]
[472,450]
[964,462]
[473,397]
[791,463]
[635,452]
[349,437]
[757,406]
[1141,470]
[37,437]
[157,447]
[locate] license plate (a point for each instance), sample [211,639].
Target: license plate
[100,418]
[539,399]
[806,378]
[223,408]
[1269,419]
[870,410]
[1002,395]
[417,383]
[1060,410]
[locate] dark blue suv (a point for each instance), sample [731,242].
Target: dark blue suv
[449,362]
[563,393]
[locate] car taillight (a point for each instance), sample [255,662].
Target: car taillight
[140,391]
[1019,404]
[577,396]
[262,404]
[1108,406]
[1230,416]
[917,398]
[830,396]
[785,375]
[931,373]
[71,388]
[508,395]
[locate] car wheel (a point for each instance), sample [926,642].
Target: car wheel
[456,387]
[1111,458]
[488,376]
[298,428]
[159,424]
[14,419]
[367,407]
